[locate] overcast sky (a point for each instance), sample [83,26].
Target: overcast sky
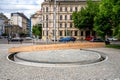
[28,7]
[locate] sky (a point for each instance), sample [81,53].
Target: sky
[28,7]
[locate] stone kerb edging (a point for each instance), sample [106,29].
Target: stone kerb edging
[57,47]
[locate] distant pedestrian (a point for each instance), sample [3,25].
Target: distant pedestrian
[9,39]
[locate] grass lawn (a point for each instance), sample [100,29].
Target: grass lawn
[113,46]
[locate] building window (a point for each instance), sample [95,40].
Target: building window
[70,25]
[60,17]
[53,32]
[65,8]
[71,9]
[65,33]
[76,33]
[81,33]
[60,25]
[71,33]
[60,33]
[43,9]
[65,25]
[43,17]
[47,25]
[46,9]
[46,17]
[65,17]
[70,17]
[76,9]
[46,33]
[60,9]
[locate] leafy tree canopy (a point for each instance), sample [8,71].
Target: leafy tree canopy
[37,30]
[85,17]
[107,19]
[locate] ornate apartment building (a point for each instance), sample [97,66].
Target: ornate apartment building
[36,18]
[64,23]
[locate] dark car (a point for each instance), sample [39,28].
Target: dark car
[97,40]
[67,39]
[16,39]
[73,39]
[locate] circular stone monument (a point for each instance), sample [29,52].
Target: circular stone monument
[57,57]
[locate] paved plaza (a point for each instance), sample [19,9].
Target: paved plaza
[108,69]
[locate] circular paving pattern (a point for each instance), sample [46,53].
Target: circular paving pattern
[57,57]
[109,69]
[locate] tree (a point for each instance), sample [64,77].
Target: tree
[37,30]
[85,17]
[3,16]
[107,19]
[103,20]
[116,18]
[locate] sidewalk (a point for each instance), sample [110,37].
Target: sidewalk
[105,70]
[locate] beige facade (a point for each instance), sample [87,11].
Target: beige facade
[64,22]
[36,18]
[21,21]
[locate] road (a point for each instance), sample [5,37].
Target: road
[108,69]
[5,41]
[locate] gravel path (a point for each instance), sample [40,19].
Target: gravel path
[105,70]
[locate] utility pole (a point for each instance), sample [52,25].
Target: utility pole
[54,21]
[66,24]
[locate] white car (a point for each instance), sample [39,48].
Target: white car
[112,39]
[28,38]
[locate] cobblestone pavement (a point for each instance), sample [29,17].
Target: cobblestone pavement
[105,70]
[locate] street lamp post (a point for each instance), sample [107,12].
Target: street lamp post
[47,32]
[66,29]
[66,25]
[54,21]
[9,25]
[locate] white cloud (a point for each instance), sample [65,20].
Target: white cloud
[28,7]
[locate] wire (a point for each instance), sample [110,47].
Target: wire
[13,3]
[10,9]
[18,9]
[16,4]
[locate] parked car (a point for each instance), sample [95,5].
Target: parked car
[28,38]
[73,39]
[112,39]
[88,38]
[67,39]
[16,39]
[97,40]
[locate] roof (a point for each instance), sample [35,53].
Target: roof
[20,14]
